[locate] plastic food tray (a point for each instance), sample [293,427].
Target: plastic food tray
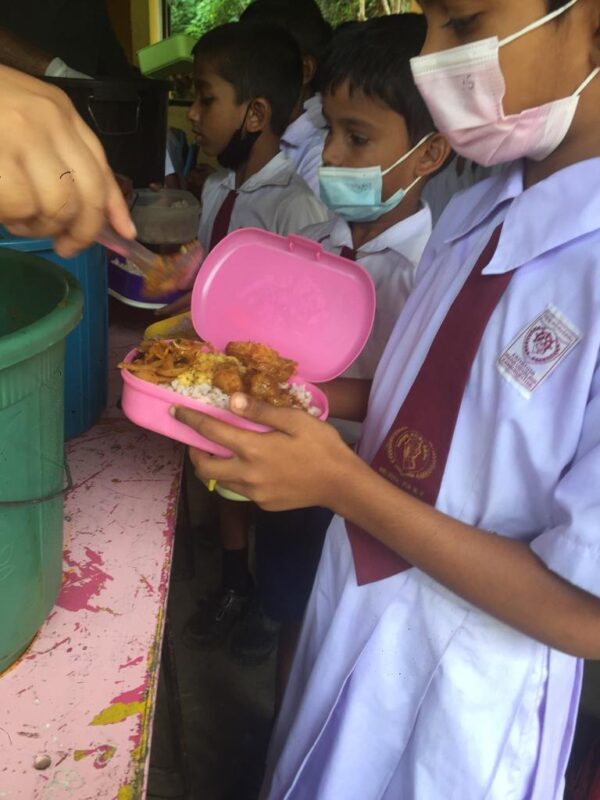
[286,292]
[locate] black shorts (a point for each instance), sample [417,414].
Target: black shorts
[288,549]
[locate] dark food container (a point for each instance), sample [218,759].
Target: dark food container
[130,119]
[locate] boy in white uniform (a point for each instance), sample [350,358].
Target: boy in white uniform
[303,139]
[248,79]
[378,124]
[458,588]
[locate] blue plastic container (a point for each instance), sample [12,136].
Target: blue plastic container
[86,362]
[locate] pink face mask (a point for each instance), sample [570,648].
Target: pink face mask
[464,89]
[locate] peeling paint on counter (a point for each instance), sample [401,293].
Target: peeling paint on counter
[83,694]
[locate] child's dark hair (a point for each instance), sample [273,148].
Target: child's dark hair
[554,5]
[258,61]
[373,58]
[302,18]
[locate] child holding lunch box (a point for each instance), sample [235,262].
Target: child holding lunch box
[380,150]
[458,588]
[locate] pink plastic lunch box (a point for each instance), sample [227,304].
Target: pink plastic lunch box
[287,292]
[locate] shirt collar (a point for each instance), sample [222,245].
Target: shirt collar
[313,109]
[307,124]
[494,192]
[278,172]
[563,207]
[407,238]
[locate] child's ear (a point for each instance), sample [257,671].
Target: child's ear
[433,156]
[309,70]
[259,115]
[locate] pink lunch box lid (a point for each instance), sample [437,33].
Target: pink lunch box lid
[287,292]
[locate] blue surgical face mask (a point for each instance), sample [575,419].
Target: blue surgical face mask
[355,193]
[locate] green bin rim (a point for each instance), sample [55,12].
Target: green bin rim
[42,334]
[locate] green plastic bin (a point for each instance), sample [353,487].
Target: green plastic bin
[168,57]
[40,303]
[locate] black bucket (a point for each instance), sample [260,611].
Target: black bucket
[130,119]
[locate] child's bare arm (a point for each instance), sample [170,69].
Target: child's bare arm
[348,398]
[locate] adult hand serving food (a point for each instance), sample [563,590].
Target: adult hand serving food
[54,177]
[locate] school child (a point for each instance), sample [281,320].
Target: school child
[303,139]
[380,127]
[248,79]
[458,586]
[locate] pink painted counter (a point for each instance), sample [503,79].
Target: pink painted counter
[84,692]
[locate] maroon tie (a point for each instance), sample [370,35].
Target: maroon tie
[348,252]
[223,218]
[414,453]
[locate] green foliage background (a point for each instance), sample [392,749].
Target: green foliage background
[198,16]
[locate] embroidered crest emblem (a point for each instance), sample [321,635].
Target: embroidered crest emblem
[411,454]
[541,345]
[538,350]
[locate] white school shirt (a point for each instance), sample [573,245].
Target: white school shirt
[303,142]
[275,199]
[169,168]
[401,690]
[391,259]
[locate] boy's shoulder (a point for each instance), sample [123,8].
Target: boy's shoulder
[291,188]
[279,200]
[299,206]
[409,236]
[320,231]
[220,179]
[405,239]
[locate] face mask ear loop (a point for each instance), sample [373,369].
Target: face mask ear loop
[537,24]
[409,154]
[587,81]
[412,185]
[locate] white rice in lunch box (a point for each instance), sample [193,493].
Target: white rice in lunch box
[202,391]
[215,397]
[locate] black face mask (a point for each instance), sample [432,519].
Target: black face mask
[237,152]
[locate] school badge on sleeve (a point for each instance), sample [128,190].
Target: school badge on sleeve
[538,350]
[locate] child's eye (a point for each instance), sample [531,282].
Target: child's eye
[461,25]
[358,141]
[206,101]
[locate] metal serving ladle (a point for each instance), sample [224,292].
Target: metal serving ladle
[184,266]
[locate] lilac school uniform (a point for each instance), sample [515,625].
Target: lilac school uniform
[303,142]
[401,690]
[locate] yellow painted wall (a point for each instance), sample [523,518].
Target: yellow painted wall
[140,24]
[137,23]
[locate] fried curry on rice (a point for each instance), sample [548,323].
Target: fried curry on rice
[195,369]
